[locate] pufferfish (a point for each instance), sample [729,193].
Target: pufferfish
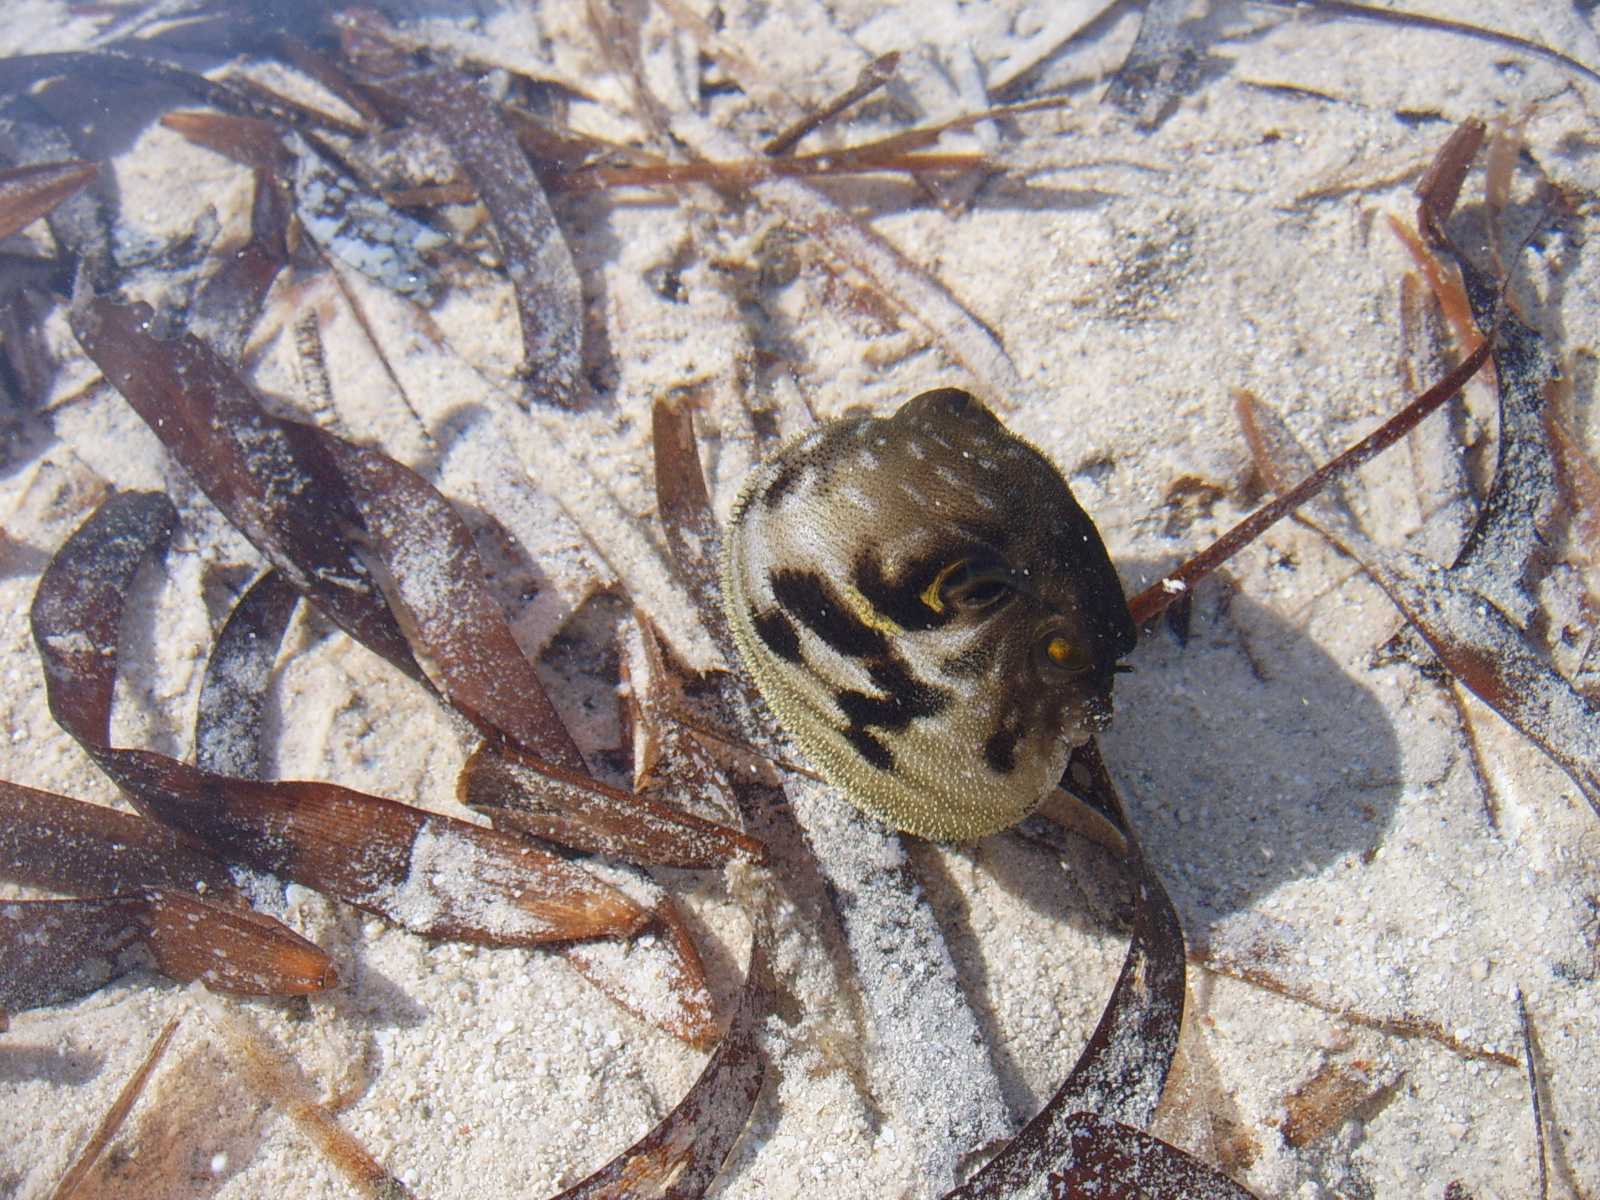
[928,611]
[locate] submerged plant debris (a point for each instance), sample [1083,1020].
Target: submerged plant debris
[372,381]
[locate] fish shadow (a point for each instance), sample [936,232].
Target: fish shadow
[1247,759]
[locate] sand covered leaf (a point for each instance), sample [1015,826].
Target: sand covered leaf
[272,478]
[368,541]
[233,692]
[537,258]
[431,874]
[541,799]
[1083,1133]
[433,579]
[233,297]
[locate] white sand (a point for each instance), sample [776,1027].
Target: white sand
[1315,817]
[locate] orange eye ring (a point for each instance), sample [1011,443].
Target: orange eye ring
[1063,652]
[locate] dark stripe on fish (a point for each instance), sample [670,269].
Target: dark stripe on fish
[807,598]
[904,699]
[783,482]
[900,599]
[778,633]
[1000,751]
[873,752]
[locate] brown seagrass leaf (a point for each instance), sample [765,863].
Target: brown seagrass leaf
[694,540]
[50,841]
[27,193]
[330,75]
[231,949]
[227,724]
[52,951]
[1439,189]
[537,257]
[425,559]
[742,173]
[111,1122]
[78,607]
[249,141]
[82,224]
[538,798]
[873,76]
[27,350]
[271,478]
[1118,1079]
[618,34]
[1111,1161]
[693,536]
[104,70]
[373,46]
[345,525]
[277,1078]
[680,1158]
[558,152]
[430,874]
[228,303]
[1331,1096]
[658,977]
[1279,458]
[1447,290]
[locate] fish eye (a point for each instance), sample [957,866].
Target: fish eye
[1059,652]
[967,585]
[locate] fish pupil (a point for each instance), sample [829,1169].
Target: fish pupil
[979,593]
